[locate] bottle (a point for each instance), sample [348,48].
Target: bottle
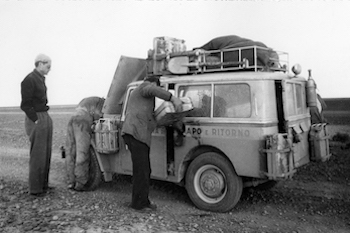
[311,95]
[63,152]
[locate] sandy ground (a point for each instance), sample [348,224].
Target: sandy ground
[317,199]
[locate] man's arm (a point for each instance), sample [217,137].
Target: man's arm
[27,91]
[152,90]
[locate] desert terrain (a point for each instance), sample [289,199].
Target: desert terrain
[317,199]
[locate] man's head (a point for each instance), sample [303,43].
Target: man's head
[42,64]
[153,79]
[92,105]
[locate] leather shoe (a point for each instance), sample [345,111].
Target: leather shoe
[38,194]
[48,189]
[152,206]
[80,187]
[149,208]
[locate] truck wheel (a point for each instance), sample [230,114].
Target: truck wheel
[212,183]
[95,174]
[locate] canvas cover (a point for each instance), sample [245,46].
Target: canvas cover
[264,57]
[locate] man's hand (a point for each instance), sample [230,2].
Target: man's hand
[177,103]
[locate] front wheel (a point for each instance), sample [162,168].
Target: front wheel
[95,174]
[212,183]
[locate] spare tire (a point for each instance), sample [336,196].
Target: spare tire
[95,174]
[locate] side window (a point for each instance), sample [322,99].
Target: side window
[295,95]
[232,100]
[201,99]
[300,96]
[290,99]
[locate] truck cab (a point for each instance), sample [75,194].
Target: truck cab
[249,125]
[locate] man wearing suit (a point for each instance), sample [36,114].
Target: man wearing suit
[137,131]
[38,125]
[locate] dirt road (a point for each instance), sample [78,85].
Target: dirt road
[316,200]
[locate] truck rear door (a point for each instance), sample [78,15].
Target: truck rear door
[296,118]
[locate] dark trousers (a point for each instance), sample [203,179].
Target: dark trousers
[40,137]
[141,168]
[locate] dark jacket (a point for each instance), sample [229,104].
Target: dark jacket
[34,98]
[140,121]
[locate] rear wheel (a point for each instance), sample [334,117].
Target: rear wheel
[212,183]
[95,174]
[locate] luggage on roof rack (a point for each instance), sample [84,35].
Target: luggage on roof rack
[162,47]
[174,59]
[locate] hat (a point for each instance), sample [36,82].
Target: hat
[153,78]
[42,57]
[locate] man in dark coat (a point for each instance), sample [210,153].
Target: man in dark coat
[38,125]
[137,132]
[78,141]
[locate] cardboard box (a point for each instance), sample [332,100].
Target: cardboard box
[164,108]
[165,114]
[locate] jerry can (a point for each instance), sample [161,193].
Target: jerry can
[279,157]
[106,136]
[319,142]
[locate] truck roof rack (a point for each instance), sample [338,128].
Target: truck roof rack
[249,58]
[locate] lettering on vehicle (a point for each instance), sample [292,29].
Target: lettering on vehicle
[217,132]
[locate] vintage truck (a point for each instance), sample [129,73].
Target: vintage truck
[250,125]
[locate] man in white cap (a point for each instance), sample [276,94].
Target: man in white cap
[78,142]
[38,125]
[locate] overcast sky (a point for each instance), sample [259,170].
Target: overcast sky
[85,39]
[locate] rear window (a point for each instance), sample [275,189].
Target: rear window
[295,94]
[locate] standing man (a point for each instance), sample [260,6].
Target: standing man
[38,125]
[137,130]
[78,141]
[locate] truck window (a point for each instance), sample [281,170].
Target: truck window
[300,95]
[232,100]
[201,99]
[295,96]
